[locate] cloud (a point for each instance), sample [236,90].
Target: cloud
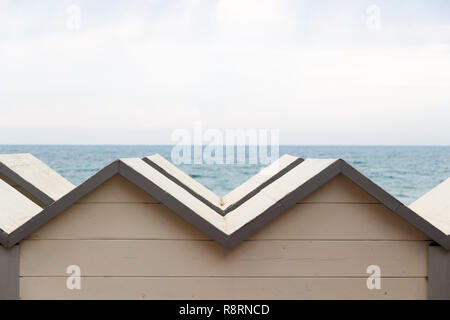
[138,74]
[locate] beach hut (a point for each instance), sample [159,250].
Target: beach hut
[300,229]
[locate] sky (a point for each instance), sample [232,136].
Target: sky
[133,72]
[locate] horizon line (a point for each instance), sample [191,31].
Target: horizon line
[225,145]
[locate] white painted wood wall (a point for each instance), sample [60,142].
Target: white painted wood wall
[129,246]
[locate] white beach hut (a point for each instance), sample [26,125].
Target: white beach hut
[302,229]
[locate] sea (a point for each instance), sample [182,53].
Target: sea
[406,172]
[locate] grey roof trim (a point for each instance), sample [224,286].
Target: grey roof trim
[27,186]
[234,205]
[228,241]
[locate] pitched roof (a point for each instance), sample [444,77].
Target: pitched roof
[33,178]
[257,202]
[435,206]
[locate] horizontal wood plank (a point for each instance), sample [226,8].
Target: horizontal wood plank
[118,221]
[222,288]
[207,258]
[155,221]
[339,221]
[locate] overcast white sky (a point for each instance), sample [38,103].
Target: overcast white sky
[137,70]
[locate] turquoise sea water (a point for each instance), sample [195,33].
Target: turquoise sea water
[407,172]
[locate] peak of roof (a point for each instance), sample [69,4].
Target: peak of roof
[240,213]
[33,178]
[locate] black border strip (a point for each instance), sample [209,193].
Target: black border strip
[238,203]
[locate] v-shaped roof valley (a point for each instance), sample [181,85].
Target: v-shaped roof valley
[236,197]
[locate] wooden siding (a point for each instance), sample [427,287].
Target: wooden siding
[322,221]
[222,288]
[129,246]
[207,258]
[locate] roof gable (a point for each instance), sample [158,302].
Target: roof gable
[340,189]
[118,190]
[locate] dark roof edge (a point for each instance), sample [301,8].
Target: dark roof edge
[228,241]
[28,187]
